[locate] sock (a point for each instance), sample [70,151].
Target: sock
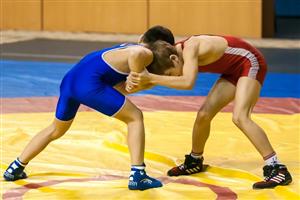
[139,167]
[271,159]
[21,163]
[196,155]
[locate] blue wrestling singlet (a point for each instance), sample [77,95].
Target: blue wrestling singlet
[90,82]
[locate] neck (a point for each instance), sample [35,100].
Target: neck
[179,49]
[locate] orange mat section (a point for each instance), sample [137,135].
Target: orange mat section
[91,161]
[153,103]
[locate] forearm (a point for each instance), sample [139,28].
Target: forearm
[176,82]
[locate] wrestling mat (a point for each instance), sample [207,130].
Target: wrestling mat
[91,160]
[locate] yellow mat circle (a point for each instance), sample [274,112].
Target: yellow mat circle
[91,160]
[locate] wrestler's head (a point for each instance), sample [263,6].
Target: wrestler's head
[165,59]
[157,33]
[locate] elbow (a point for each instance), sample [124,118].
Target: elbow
[187,82]
[188,85]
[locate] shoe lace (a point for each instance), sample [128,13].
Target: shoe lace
[182,166]
[189,162]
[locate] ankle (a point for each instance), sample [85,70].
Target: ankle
[138,167]
[23,164]
[271,159]
[196,155]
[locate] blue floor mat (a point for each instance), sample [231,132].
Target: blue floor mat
[31,78]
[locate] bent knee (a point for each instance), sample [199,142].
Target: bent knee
[203,116]
[136,115]
[55,132]
[240,119]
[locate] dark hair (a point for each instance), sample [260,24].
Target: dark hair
[161,57]
[158,33]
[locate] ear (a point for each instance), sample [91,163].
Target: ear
[174,57]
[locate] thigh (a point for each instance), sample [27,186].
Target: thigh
[105,99]
[66,108]
[220,95]
[67,105]
[254,68]
[247,93]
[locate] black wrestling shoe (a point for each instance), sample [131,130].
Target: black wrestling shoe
[274,175]
[190,166]
[15,171]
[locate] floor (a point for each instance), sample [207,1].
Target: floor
[91,161]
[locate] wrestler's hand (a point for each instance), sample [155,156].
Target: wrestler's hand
[133,83]
[142,78]
[134,89]
[131,87]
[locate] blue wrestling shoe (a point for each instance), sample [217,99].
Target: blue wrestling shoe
[15,171]
[139,180]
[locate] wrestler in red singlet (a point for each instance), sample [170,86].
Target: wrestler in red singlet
[239,63]
[239,59]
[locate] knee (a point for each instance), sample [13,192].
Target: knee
[203,116]
[55,132]
[240,119]
[136,115]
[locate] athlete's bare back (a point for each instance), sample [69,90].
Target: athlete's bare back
[210,48]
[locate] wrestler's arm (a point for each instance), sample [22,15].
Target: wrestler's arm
[190,70]
[138,59]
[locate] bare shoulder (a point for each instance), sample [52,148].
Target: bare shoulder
[206,44]
[191,47]
[193,41]
[208,40]
[140,52]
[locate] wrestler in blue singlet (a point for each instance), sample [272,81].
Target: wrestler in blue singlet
[90,82]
